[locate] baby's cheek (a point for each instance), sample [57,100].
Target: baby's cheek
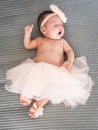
[63,32]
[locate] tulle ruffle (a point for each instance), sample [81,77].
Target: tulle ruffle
[43,80]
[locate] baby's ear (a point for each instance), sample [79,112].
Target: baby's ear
[43,30]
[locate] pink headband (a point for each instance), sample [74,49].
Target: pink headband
[56,11]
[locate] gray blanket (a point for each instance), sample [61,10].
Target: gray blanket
[82,34]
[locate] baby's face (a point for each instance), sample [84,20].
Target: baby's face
[53,28]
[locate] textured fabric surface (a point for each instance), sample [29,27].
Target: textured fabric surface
[81,33]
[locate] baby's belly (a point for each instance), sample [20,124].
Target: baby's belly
[51,58]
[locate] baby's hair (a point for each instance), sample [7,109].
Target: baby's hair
[42,16]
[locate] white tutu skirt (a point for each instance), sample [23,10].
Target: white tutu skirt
[43,80]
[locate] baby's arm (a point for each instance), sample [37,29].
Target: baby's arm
[28,43]
[70,55]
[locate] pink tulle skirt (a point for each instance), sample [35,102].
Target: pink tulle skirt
[43,80]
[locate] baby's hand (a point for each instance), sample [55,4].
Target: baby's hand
[28,29]
[67,65]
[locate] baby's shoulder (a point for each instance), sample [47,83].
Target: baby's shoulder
[38,40]
[63,40]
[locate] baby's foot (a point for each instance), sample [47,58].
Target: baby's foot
[25,101]
[35,111]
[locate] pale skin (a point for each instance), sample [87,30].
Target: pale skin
[50,49]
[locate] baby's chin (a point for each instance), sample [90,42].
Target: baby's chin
[58,37]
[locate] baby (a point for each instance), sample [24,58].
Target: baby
[48,77]
[51,46]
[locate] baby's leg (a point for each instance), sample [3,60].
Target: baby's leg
[37,108]
[25,101]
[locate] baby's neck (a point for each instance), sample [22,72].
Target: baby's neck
[48,38]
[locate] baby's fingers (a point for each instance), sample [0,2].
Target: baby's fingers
[28,28]
[31,27]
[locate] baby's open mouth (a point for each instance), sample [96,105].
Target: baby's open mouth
[60,32]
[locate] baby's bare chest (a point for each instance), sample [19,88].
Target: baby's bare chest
[50,47]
